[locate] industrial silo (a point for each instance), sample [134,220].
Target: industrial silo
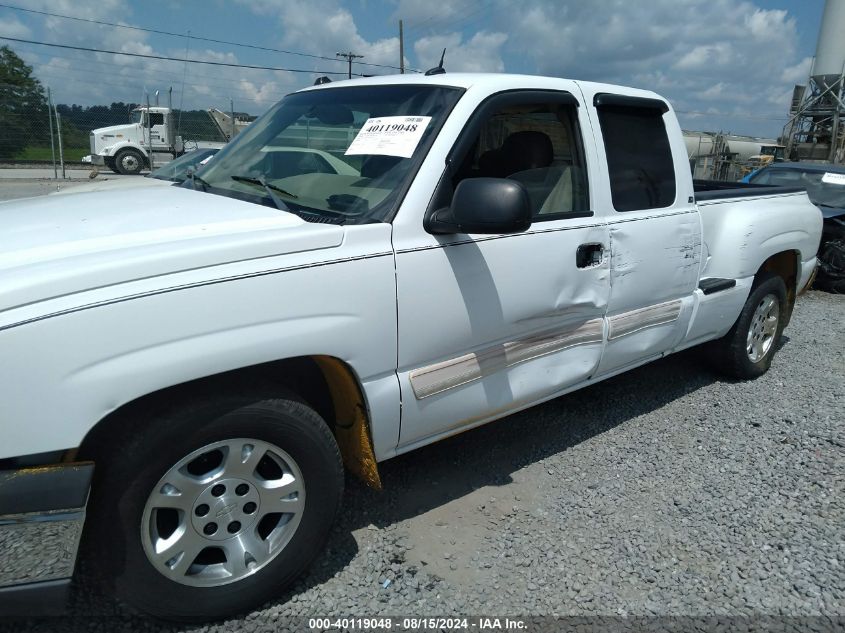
[816,128]
[830,49]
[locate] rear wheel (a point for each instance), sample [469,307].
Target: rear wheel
[214,509]
[746,351]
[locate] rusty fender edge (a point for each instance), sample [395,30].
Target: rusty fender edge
[42,512]
[351,428]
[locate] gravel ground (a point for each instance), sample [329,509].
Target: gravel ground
[664,491]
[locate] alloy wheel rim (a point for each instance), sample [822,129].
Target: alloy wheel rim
[763,327]
[130,163]
[223,512]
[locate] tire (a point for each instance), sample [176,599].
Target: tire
[109,162]
[129,162]
[246,543]
[746,351]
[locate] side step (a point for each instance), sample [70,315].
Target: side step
[714,284]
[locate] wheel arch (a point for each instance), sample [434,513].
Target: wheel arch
[786,265]
[326,383]
[117,147]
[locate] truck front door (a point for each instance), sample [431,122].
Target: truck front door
[494,323]
[158,130]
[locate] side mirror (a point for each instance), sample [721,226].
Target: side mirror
[483,205]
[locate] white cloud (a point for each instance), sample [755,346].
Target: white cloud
[99,78]
[481,53]
[715,56]
[424,14]
[713,92]
[719,54]
[731,55]
[323,27]
[10,27]
[798,73]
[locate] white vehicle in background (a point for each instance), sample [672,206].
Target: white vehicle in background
[284,162]
[127,149]
[205,359]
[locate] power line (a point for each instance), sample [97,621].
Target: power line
[100,67]
[173,59]
[189,36]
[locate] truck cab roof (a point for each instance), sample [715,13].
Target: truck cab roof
[491,82]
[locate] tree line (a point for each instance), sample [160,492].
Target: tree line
[24,119]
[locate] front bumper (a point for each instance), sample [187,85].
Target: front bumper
[42,511]
[94,159]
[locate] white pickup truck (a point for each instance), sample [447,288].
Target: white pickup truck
[205,359]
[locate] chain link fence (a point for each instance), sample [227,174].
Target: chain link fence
[29,128]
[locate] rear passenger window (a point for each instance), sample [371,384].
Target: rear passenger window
[642,173]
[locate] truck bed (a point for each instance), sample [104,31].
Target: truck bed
[720,190]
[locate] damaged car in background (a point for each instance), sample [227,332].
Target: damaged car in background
[825,185]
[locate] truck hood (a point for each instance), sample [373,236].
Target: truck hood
[116,129]
[59,245]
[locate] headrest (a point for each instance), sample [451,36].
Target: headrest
[528,149]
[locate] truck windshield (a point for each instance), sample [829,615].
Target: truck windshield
[138,116]
[341,155]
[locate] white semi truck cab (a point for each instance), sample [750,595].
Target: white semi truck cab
[126,149]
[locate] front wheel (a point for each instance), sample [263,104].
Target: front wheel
[746,351]
[129,162]
[214,509]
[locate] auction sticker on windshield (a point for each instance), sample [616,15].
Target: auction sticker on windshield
[833,179]
[389,136]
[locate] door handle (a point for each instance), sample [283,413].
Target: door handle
[589,255]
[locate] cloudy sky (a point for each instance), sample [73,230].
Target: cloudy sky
[726,64]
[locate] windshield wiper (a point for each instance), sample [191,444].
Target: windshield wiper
[270,189]
[323,217]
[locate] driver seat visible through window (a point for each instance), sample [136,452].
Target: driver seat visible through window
[536,145]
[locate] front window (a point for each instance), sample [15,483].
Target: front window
[337,155]
[138,117]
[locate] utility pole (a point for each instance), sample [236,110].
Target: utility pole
[349,56]
[52,145]
[401,49]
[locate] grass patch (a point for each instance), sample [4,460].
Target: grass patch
[72,154]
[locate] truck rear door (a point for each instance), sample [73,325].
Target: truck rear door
[654,226]
[492,323]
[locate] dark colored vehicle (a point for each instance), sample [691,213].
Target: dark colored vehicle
[825,186]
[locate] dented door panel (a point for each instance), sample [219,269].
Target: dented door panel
[653,274]
[655,259]
[494,323]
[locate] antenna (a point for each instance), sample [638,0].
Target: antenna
[437,70]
